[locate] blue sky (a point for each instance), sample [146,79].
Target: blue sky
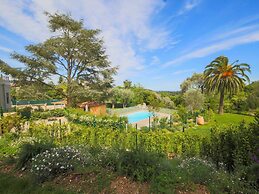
[157,43]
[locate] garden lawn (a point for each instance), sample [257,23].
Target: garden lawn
[220,120]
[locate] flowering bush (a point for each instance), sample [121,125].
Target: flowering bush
[200,170]
[52,162]
[30,150]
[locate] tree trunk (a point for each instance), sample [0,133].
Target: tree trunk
[69,101]
[69,96]
[221,103]
[69,86]
[113,105]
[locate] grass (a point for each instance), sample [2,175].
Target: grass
[10,185]
[220,120]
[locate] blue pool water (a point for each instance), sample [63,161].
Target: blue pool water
[138,116]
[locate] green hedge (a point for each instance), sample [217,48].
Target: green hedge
[232,146]
[110,122]
[161,141]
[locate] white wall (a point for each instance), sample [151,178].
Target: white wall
[4,92]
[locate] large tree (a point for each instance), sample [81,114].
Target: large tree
[74,53]
[222,77]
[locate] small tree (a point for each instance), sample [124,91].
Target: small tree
[115,96]
[153,102]
[183,114]
[126,96]
[120,95]
[194,100]
[168,102]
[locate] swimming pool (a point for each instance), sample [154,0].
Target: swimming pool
[138,116]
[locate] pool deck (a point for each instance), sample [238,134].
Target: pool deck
[145,122]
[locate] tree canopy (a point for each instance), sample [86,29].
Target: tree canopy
[193,82]
[194,100]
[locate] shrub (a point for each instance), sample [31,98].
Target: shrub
[54,132]
[249,175]
[10,122]
[46,114]
[139,165]
[111,122]
[106,158]
[55,161]
[168,175]
[28,151]
[200,171]
[229,183]
[232,146]
[11,143]
[179,172]
[208,115]
[6,147]
[25,112]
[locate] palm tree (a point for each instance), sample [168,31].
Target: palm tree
[225,78]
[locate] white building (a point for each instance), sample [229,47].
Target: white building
[5,99]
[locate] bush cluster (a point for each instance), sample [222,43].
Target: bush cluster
[233,146]
[47,114]
[11,122]
[109,122]
[164,175]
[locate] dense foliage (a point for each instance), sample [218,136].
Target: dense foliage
[141,155]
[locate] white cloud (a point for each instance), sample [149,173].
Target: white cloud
[188,6]
[14,18]
[155,60]
[216,47]
[236,31]
[126,25]
[4,49]
[183,71]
